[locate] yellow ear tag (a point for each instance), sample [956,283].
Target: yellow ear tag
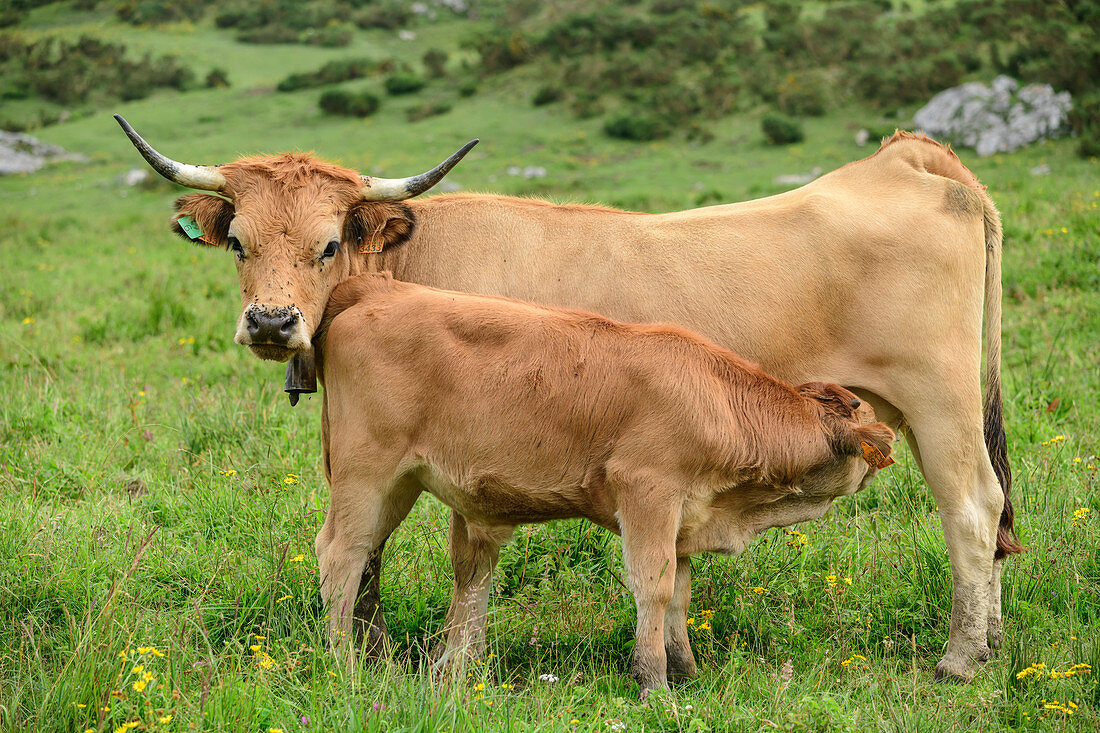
[373,245]
[874,456]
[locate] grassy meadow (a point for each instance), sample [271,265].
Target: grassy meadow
[159,497]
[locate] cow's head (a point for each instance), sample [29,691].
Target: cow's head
[860,446]
[296,226]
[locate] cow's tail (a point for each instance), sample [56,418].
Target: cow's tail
[993,410]
[942,161]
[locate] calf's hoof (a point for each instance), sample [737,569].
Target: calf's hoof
[955,668]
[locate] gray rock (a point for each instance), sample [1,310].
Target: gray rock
[995,118]
[21,153]
[862,136]
[534,171]
[797,179]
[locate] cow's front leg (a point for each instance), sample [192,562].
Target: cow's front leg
[360,519]
[474,553]
[649,554]
[681,662]
[970,500]
[370,625]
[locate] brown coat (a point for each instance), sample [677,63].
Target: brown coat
[510,412]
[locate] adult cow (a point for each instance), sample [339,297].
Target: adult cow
[876,276]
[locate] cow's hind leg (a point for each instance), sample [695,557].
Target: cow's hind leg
[649,554]
[680,660]
[474,553]
[952,455]
[363,512]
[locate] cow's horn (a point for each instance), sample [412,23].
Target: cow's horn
[396,189]
[203,177]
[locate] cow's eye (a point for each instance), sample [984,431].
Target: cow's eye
[234,244]
[331,250]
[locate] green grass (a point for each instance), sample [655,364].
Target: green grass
[118,367]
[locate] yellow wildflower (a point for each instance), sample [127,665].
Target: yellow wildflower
[147,677]
[165,720]
[140,685]
[230,472]
[831,580]
[274,730]
[759,590]
[479,686]
[255,647]
[290,479]
[284,598]
[848,581]
[27,321]
[81,705]
[703,626]
[297,558]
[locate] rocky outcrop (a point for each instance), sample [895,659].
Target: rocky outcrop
[995,118]
[21,153]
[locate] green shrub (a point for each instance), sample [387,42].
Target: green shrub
[638,126]
[428,109]
[217,78]
[468,88]
[403,82]
[500,49]
[332,73]
[1084,120]
[349,104]
[268,34]
[546,94]
[389,15]
[73,72]
[781,130]
[801,95]
[152,12]
[435,61]
[333,36]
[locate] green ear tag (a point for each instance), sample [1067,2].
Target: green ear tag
[190,227]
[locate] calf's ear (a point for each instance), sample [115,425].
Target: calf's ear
[875,443]
[203,219]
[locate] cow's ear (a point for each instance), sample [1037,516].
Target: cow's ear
[203,219]
[367,222]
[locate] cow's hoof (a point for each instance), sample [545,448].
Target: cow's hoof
[452,663]
[996,634]
[955,668]
[656,688]
[681,665]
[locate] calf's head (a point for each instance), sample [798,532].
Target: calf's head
[859,445]
[296,226]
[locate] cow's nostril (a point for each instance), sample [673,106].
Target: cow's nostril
[288,325]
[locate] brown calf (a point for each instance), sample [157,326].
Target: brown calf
[509,412]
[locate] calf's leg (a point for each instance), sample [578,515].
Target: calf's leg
[681,662]
[361,516]
[649,553]
[474,553]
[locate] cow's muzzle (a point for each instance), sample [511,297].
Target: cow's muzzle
[272,333]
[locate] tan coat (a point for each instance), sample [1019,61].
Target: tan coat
[883,276]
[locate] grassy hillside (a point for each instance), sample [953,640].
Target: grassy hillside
[159,496]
